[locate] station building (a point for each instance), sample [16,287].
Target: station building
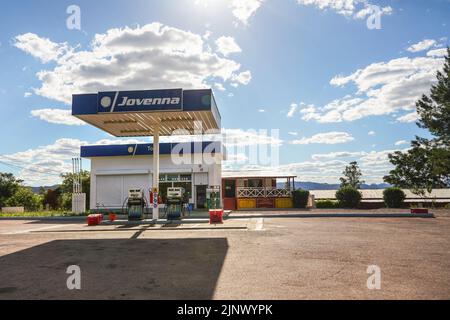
[115,169]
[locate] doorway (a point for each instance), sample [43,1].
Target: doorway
[229,194]
[201,197]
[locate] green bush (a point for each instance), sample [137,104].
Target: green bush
[393,197]
[327,204]
[300,198]
[24,197]
[348,197]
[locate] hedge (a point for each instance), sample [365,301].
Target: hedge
[327,204]
[393,197]
[348,197]
[300,198]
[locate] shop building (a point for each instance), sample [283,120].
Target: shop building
[257,189]
[117,168]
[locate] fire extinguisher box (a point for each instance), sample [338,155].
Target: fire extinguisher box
[93,220]
[419,210]
[215,216]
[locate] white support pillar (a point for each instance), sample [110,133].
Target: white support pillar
[155,183]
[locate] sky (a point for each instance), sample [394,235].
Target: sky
[324,82]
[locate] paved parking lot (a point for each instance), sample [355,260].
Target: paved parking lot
[252,258]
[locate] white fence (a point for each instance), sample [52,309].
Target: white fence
[376,195]
[262,192]
[13,209]
[79,202]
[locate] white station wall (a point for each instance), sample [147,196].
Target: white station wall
[112,177]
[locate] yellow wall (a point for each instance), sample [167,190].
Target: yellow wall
[284,203]
[246,203]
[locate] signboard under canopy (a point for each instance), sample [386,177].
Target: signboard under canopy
[138,113]
[140,101]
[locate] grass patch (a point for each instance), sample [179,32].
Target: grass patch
[41,214]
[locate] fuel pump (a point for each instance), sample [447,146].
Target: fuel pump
[213,197]
[175,203]
[136,204]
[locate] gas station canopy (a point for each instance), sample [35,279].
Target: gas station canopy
[139,113]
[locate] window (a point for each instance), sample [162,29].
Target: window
[255,183]
[169,180]
[230,188]
[173,177]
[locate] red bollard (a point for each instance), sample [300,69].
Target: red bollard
[92,220]
[215,216]
[419,210]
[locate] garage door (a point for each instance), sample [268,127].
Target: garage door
[112,190]
[141,181]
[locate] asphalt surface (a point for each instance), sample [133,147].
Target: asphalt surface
[254,258]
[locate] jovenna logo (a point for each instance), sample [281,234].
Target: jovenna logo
[125,101]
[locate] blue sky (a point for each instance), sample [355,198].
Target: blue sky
[336,90]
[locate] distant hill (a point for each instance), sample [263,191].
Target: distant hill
[330,186]
[36,189]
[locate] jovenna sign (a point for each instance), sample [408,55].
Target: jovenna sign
[140,101]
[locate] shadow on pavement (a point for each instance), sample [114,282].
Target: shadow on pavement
[115,269]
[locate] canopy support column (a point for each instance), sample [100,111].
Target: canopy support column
[155,183]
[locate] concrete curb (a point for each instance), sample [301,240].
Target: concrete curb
[333,215]
[146,222]
[74,218]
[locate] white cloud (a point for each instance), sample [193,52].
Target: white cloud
[292,110]
[144,57]
[401,142]
[227,45]
[120,141]
[219,86]
[261,110]
[241,78]
[409,117]
[371,133]
[369,10]
[333,137]
[328,167]
[232,158]
[243,10]
[339,154]
[383,88]
[41,48]
[44,164]
[57,116]
[332,112]
[422,45]
[376,158]
[437,53]
[240,137]
[27,94]
[358,9]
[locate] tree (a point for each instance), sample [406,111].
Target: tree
[67,188]
[352,176]
[52,198]
[25,197]
[426,165]
[348,197]
[8,187]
